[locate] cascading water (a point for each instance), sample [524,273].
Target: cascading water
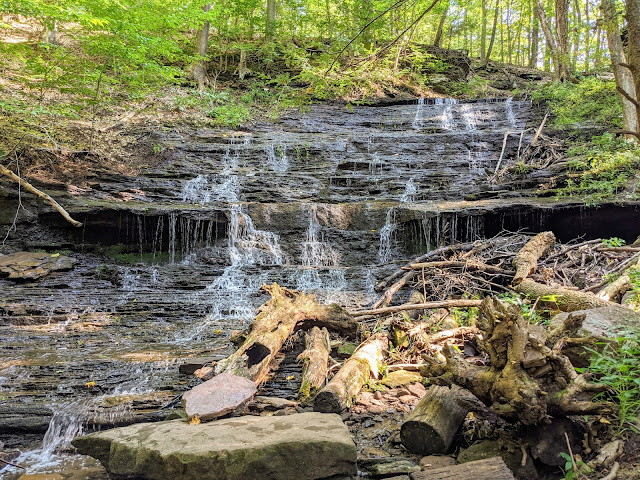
[508,107]
[417,121]
[386,249]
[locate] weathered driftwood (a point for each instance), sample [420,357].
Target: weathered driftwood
[314,358]
[526,260]
[415,306]
[387,296]
[487,469]
[355,372]
[615,290]
[431,426]
[8,173]
[528,378]
[566,300]
[471,266]
[276,320]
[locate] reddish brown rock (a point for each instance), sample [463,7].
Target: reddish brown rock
[216,397]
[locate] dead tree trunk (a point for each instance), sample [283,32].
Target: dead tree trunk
[356,371]
[8,173]
[526,260]
[315,358]
[566,300]
[430,428]
[275,321]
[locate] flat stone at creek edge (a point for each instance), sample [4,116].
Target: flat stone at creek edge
[33,265]
[305,446]
[216,397]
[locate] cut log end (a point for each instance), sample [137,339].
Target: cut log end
[420,438]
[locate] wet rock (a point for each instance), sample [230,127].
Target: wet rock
[216,397]
[384,467]
[400,378]
[309,445]
[33,265]
[190,365]
[275,402]
[436,461]
[510,454]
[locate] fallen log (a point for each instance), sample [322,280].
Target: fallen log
[365,362]
[566,300]
[461,303]
[526,260]
[387,296]
[487,469]
[8,173]
[314,358]
[276,320]
[617,288]
[430,427]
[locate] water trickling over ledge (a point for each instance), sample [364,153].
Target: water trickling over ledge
[171,261]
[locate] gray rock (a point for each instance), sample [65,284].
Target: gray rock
[190,365]
[305,446]
[384,467]
[33,265]
[510,454]
[275,402]
[602,322]
[216,397]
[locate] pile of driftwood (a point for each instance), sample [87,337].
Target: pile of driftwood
[501,363]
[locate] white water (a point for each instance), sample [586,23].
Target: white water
[385,251]
[469,116]
[508,106]
[417,121]
[277,157]
[410,191]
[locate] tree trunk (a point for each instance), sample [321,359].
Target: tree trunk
[533,58]
[493,33]
[566,300]
[633,23]
[271,20]
[526,260]
[438,39]
[430,428]
[356,371]
[562,33]
[483,31]
[624,79]
[199,66]
[275,321]
[315,358]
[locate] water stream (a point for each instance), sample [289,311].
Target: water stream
[316,205]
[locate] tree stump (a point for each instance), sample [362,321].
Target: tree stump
[430,428]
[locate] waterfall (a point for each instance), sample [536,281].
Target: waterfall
[417,121]
[318,253]
[385,251]
[277,157]
[508,106]
[410,191]
[469,116]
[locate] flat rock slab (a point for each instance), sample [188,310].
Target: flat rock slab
[214,398]
[489,469]
[305,446]
[602,322]
[33,265]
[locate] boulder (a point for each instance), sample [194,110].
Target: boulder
[305,446]
[216,397]
[33,265]
[601,322]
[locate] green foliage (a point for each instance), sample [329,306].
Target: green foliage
[573,470]
[535,312]
[617,367]
[602,168]
[613,242]
[591,101]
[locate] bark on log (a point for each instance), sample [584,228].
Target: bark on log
[430,428]
[566,300]
[462,303]
[315,358]
[8,173]
[387,296]
[614,291]
[487,469]
[356,371]
[275,321]
[526,260]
